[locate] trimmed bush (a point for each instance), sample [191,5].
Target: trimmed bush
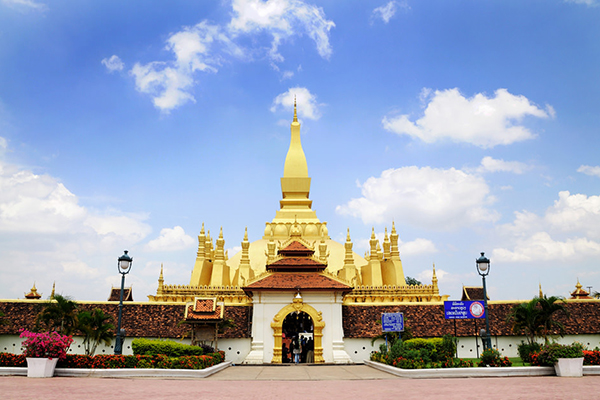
[493,358]
[526,349]
[170,348]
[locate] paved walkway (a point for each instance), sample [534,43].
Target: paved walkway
[300,382]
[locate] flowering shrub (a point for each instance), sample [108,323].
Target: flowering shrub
[409,363]
[493,358]
[112,361]
[550,354]
[591,357]
[46,344]
[12,360]
[453,363]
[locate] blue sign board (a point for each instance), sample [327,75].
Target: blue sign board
[392,322]
[464,309]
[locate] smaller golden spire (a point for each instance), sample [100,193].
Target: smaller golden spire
[53,290]
[541,294]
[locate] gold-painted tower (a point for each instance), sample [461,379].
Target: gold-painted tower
[376,279]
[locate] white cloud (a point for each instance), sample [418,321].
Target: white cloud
[575,213]
[170,83]
[386,12]
[417,246]
[589,170]
[426,276]
[113,63]
[282,19]
[25,5]
[425,197]
[204,47]
[46,235]
[489,164]
[170,239]
[589,3]
[307,105]
[479,120]
[567,231]
[542,247]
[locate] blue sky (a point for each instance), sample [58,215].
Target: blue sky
[473,125]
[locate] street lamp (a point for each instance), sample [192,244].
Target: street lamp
[124,265]
[483,268]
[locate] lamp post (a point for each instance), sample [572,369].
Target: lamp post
[124,265]
[483,268]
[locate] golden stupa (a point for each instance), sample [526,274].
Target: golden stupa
[376,279]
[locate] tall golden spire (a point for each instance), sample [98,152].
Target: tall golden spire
[295,189]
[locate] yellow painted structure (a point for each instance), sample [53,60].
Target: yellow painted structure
[377,278]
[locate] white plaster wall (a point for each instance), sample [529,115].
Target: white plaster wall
[360,349]
[235,350]
[268,304]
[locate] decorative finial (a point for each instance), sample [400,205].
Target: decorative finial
[295,114]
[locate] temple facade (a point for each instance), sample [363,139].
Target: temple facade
[296,279]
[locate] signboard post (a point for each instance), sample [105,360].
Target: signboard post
[392,322]
[464,309]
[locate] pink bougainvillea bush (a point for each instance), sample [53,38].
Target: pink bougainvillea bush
[46,344]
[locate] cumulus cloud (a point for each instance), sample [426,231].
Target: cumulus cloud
[282,19]
[387,12]
[417,246]
[489,164]
[307,105]
[113,63]
[205,46]
[169,83]
[589,3]
[170,239]
[589,170]
[432,198]
[46,235]
[480,120]
[568,230]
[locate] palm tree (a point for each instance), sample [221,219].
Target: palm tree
[549,307]
[536,318]
[526,317]
[59,315]
[96,328]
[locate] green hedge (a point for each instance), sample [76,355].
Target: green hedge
[170,348]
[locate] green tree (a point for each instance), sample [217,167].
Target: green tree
[537,317]
[550,307]
[412,281]
[96,328]
[59,314]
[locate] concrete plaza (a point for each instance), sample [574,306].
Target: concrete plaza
[300,382]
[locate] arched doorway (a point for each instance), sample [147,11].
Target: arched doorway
[297,340]
[300,312]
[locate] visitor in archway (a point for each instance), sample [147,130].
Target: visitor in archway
[310,354]
[284,353]
[296,349]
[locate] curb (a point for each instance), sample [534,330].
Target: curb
[490,372]
[124,372]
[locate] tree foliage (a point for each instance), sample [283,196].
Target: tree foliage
[96,328]
[537,318]
[59,314]
[412,281]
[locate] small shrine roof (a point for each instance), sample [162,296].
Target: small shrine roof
[115,294]
[580,293]
[296,247]
[297,280]
[472,293]
[204,310]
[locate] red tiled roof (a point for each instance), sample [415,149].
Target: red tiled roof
[115,294]
[297,264]
[204,305]
[473,293]
[301,280]
[216,315]
[296,247]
